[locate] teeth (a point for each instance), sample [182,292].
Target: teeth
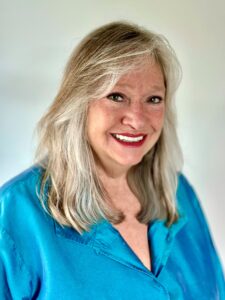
[128,138]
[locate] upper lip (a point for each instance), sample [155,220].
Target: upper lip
[129,134]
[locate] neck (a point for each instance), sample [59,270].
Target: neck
[120,194]
[112,182]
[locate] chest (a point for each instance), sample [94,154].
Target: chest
[136,236]
[88,274]
[87,266]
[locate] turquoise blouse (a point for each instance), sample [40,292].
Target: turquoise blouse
[39,259]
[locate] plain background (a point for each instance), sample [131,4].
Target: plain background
[37,38]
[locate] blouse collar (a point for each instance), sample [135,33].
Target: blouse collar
[105,239]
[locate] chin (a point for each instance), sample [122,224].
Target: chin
[130,162]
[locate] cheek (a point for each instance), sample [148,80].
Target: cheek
[156,117]
[99,119]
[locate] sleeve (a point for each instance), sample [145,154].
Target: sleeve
[15,280]
[199,214]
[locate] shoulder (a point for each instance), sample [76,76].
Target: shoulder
[184,186]
[25,184]
[24,228]
[23,220]
[19,201]
[187,199]
[190,206]
[197,228]
[27,178]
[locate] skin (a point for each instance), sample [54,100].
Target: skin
[136,105]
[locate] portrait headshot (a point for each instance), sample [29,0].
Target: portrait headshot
[112,164]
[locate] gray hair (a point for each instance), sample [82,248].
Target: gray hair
[76,196]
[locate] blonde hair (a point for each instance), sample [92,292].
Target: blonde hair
[76,197]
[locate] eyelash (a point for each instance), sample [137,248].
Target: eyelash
[159,100]
[112,95]
[121,96]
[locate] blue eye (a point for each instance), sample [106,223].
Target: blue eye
[155,99]
[117,97]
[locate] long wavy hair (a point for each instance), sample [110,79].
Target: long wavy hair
[75,195]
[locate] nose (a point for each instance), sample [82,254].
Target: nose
[134,116]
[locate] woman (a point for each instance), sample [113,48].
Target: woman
[118,220]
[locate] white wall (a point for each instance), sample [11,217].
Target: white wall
[37,37]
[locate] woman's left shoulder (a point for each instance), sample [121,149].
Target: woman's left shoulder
[198,230]
[187,198]
[189,205]
[184,186]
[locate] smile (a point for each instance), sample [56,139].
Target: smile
[129,140]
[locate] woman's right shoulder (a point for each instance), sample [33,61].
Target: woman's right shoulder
[20,193]
[26,181]
[24,228]
[27,177]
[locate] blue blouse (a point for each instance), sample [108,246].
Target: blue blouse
[39,259]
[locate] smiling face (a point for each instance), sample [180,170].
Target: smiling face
[125,124]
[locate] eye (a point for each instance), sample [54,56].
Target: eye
[117,97]
[155,100]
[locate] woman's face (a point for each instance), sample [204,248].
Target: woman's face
[125,124]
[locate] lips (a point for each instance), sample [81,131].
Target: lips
[127,139]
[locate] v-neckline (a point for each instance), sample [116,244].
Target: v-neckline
[137,240]
[105,239]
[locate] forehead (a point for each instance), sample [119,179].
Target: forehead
[146,75]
